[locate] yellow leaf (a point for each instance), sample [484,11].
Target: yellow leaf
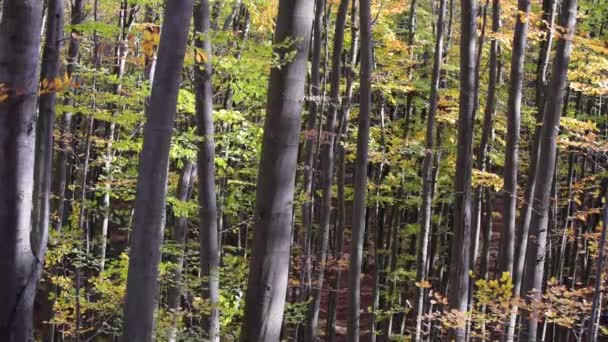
[148,36]
[200,56]
[3,97]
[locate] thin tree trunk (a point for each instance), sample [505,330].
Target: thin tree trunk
[178,237]
[522,237]
[477,196]
[209,243]
[597,294]
[427,188]
[150,199]
[20,262]
[489,112]
[121,58]
[535,254]
[45,126]
[360,178]
[62,159]
[327,167]
[309,143]
[269,263]
[44,142]
[507,235]
[341,155]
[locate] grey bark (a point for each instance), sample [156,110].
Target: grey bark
[535,254]
[513,126]
[62,160]
[427,173]
[522,237]
[44,139]
[341,173]
[45,125]
[488,124]
[309,144]
[461,242]
[178,237]
[597,294]
[327,167]
[269,263]
[19,261]
[209,242]
[360,177]
[150,200]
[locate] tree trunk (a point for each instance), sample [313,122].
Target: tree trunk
[597,294]
[44,143]
[327,167]
[309,144]
[209,243]
[341,156]
[507,235]
[522,237]
[460,251]
[269,263]
[360,177]
[150,199]
[427,173]
[535,254]
[178,237]
[489,112]
[20,262]
[45,126]
[122,50]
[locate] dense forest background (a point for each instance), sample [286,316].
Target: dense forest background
[303,170]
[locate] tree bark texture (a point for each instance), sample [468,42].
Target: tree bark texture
[19,263]
[269,263]
[360,178]
[209,240]
[543,178]
[150,198]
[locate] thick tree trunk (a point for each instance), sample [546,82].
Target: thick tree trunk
[360,178]
[150,200]
[461,243]
[269,263]
[20,262]
[178,237]
[535,254]
[507,235]
[327,168]
[427,174]
[209,242]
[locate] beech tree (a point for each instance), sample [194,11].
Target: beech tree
[20,261]
[427,172]
[209,241]
[360,182]
[543,177]
[269,264]
[439,225]
[461,240]
[149,216]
